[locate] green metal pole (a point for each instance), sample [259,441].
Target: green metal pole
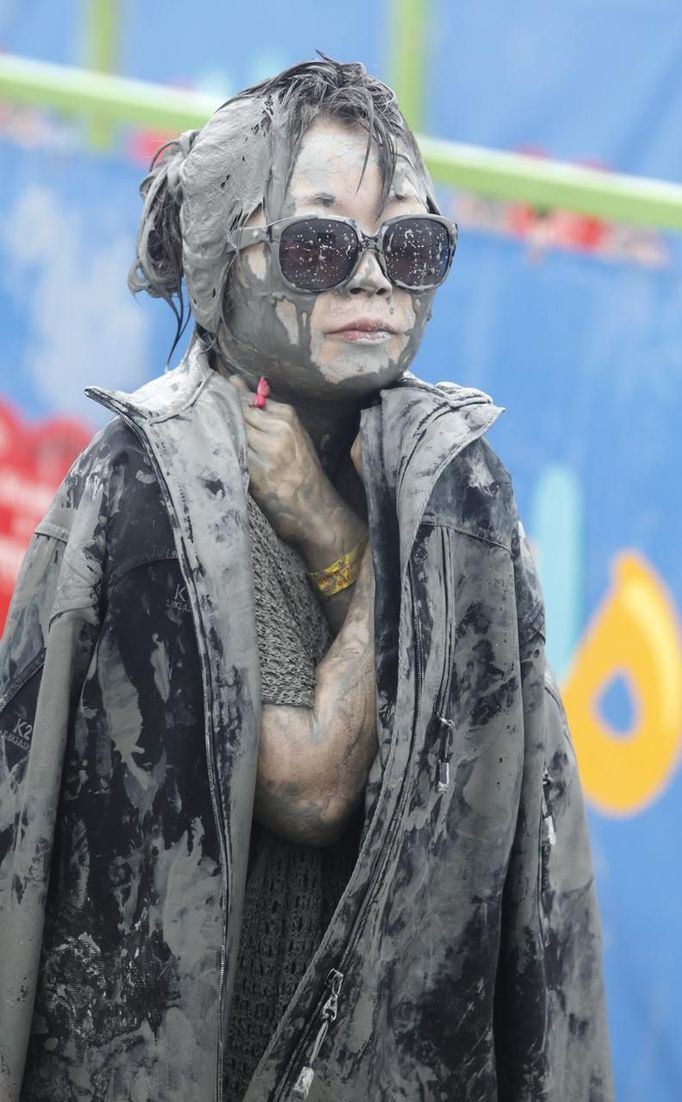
[101,54]
[408,24]
[98,95]
[540,182]
[555,184]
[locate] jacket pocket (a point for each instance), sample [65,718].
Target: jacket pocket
[17,712]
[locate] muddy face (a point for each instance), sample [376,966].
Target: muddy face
[305,343]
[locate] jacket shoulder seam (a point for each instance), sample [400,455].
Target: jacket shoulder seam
[52,531]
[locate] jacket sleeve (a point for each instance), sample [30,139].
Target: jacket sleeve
[550,1022]
[44,653]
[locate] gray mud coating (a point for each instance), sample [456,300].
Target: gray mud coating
[240,169]
[280,332]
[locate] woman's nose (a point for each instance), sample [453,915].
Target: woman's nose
[368,276]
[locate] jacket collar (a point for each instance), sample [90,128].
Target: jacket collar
[418,427]
[414,432]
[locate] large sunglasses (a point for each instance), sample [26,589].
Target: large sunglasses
[414,251]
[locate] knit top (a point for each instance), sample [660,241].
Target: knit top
[292,889]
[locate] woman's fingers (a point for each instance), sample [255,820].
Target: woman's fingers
[285,474]
[259,416]
[256,466]
[255,418]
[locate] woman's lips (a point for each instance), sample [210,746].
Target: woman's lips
[363,336]
[364,331]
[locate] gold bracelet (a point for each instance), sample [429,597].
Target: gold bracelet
[342,573]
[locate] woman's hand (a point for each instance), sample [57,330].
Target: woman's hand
[287,479]
[292,489]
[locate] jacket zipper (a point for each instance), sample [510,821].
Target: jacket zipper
[447,726]
[443,768]
[323,1012]
[209,753]
[327,1013]
[548,828]
[331,980]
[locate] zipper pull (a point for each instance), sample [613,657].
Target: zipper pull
[328,1013]
[331,1007]
[443,780]
[306,1074]
[443,768]
[548,828]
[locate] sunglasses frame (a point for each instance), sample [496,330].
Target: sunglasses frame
[271,234]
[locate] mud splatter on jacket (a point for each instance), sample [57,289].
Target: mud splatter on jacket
[463,961]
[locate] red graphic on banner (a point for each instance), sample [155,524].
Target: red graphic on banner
[33,461]
[142,145]
[552,228]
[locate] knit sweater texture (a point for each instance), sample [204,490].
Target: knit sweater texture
[292,890]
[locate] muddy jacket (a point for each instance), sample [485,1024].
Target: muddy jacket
[463,961]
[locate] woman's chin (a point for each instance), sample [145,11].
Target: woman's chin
[361,370]
[357,385]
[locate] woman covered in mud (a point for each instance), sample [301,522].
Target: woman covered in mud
[294,811]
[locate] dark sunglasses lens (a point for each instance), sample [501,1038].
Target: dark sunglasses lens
[317,253]
[417,252]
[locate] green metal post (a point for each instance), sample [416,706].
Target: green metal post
[101,55]
[540,182]
[408,25]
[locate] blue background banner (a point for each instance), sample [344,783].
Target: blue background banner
[572,323]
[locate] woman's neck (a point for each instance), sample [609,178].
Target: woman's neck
[332,429]
[332,426]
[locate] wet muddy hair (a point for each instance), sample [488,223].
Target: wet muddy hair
[348,93]
[208,182]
